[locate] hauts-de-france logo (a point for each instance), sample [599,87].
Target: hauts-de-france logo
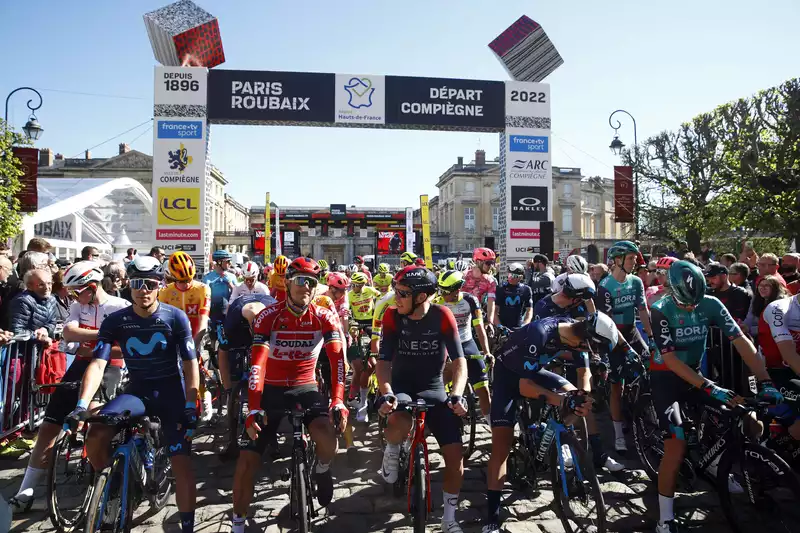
[179,159]
[360,91]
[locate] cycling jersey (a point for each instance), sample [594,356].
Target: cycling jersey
[512,303]
[546,307]
[362,304]
[685,333]
[781,322]
[326,302]
[416,349]
[243,289]
[277,286]
[382,282]
[653,294]
[530,348]
[286,347]
[620,300]
[195,301]
[91,317]
[384,303]
[150,345]
[463,309]
[221,287]
[480,285]
[541,284]
[237,329]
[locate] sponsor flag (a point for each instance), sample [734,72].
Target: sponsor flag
[623,194]
[29,164]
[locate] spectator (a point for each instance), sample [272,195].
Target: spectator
[114,279]
[90,253]
[768,266]
[738,274]
[4,250]
[15,285]
[158,253]
[61,297]
[597,272]
[541,279]
[727,260]
[34,311]
[644,275]
[38,244]
[130,254]
[769,289]
[789,268]
[735,299]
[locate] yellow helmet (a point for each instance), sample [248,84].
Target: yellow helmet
[281,262]
[323,265]
[384,268]
[358,278]
[181,266]
[408,257]
[451,280]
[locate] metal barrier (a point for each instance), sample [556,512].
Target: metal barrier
[21,406]
[723,364]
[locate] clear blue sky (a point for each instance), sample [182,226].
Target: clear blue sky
[663,62]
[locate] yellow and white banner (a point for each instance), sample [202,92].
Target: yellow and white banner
[267,231]
[426,230]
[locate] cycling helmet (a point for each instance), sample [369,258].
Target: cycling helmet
[146,267]
[687,282]
[221,255]
[352,269]
[250,270]
[577,265]
[578,286]
[281,263]
[82,273]
[665,262]
[517,269]
[358,260]
[462,265]
[408,257]
[302,266]
[181,266]
[341,268]
[622,248]
[358,278]
[450,264]
[418,279]
[451,280]
[384,268]
[268,267]
[323,265]
[420,262]
[483,254]
[601,332]
[338,280]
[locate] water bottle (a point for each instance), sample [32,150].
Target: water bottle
[208,410]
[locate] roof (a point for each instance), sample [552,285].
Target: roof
[130,160]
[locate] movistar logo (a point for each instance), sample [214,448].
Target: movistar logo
[512,301]
[530,366]
[138,348]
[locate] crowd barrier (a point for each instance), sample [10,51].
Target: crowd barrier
[723,364]
[22,406]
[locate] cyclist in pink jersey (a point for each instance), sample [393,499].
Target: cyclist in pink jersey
[479,282]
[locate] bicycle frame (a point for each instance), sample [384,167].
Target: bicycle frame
[129,455]
[418,437]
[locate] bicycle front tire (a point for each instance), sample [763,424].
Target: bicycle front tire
[469,426]
[300,495]
[582,487]
[66,521]
[122,524]
[419,491]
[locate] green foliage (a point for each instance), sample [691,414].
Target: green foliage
[10,172]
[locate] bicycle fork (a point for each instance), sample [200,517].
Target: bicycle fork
[419,430]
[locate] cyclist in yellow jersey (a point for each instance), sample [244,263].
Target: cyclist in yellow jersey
[385,302]
[186,293]
[362,304]
[383,279]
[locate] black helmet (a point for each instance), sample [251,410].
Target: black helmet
[418,279]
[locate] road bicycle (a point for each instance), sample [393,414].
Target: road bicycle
[140,468]
[237,408]
[209,397]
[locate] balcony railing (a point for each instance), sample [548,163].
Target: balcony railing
[232,234]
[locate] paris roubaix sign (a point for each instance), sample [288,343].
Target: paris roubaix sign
[189,99]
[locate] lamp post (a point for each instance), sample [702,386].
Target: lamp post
[616,147]
[31,128]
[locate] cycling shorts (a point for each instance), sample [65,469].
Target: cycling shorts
[671,395]
[276,400]
[63,401]
[236,359]
[476,365]
[785,413]
[366,325]
[505,392]
[162,398]
[443,423]
[216,329]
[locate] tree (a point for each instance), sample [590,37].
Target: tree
[10,172]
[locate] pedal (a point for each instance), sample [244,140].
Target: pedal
[285,475]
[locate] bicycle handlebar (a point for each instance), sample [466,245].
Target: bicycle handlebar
[125,420]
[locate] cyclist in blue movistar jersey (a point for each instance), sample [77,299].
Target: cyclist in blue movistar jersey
[151,336]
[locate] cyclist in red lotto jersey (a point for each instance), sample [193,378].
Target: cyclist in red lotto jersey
[287,339]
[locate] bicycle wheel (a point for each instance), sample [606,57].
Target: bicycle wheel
[70,480]
[419,491]
[647,437]
[468,426]
[237,414]
[300,494]
[576,489]
[161,485]
[110,520]
[770,493]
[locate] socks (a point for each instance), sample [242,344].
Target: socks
[364,392]
[187,522]
[393,448]
[665,508]
[450,505]
[238,523]
[618,431]
[597,448]
[493,501]
[33,476]
[322,468]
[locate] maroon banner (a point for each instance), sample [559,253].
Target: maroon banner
[28,195]
[258,241]
[623,194]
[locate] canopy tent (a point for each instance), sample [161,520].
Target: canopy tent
[111,214]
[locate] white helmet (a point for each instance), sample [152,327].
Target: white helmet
[250,270]
[577,264]
[462,265]
[600,329]
[82,273]
[341,268]
[578,286]
[352,269]
[516,268]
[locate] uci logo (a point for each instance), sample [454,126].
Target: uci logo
[178,206]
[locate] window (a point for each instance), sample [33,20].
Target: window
[567,190]
[496,189]
[469,186]
[469,220]
[566,220]
[495,218]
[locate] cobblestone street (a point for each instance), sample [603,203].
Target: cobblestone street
[363,504]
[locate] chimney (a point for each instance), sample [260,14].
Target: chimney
[480,158]
[460,162]
[45,157]
[124,148]
[88,154]
[59,157]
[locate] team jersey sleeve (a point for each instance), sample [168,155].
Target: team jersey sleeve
[603,301]
[662,331]
[105,339]
[491,291]
[205,301]
[237,292]
[775,317]
[377,316]
[262,329]
[538,309]
[389,336]
[722,318]
[527,298]
[74,317]
[182,331]
[450,334]
[638,292]
[474,309]
[331,334]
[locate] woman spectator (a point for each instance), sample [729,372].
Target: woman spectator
[769,289]
[61,296]
[114,278]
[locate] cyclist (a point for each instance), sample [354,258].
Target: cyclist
[656,292]
[412,356]
[479,282]
[362,305]
[187,294]
[277,279]
[619,295]
[383,279]
[463,265]
[151,336]
[338,284]
[575,290]
[467,312]
[87,312]
[519,373]
[514,299]
[361,267]
[407,259]
[682,320]
[384,302]
[221,282]
[779,339]
[575,265]
[324,268]
[250,285]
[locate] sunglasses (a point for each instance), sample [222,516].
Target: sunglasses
[305,281]
[489,262]
[140,284]
[403,294]
[77,292]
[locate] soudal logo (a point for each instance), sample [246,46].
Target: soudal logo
[294,343]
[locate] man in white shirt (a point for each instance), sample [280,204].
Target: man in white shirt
[251,284]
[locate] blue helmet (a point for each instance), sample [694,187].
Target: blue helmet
[221,255]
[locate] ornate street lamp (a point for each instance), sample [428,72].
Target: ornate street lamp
[32,128]
[616,147]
